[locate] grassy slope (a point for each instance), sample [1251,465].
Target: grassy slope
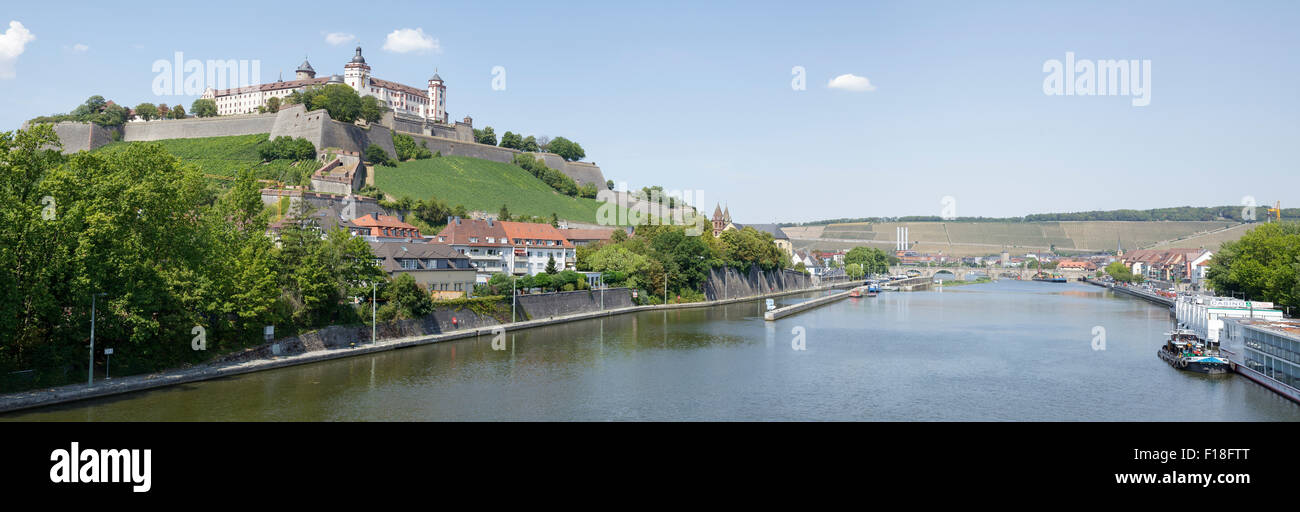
[224,156]
[481,185]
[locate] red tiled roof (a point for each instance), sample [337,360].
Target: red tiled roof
[273,86]
[518,232]
[387,225]
[397,87]
[460,231]
[587,234]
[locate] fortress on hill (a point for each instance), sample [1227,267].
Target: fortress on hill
[420,113]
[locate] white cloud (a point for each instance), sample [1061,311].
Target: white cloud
[338,38]
[406,40]
[12,44]
[851,82]
[80,48]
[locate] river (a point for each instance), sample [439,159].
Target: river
[1007,350]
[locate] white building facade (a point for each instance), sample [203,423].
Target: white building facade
[428,103]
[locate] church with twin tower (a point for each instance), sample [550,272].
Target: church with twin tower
[428,104]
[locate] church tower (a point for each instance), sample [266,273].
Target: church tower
[356,73]
[719,221]
[437,99]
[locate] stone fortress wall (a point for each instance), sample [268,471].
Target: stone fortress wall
[323,132]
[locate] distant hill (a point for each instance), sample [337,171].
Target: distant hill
[481,185]
[1179,213]
[982,238]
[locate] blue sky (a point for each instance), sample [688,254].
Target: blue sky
[699,97]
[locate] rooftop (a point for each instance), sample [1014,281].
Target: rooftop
[1288,328]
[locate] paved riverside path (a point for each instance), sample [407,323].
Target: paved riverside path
[119,385]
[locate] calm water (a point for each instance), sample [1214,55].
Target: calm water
[1000,351]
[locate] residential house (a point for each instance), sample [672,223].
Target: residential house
[445,272]
[534,245]
[482,240]
[386,228]
[581,237]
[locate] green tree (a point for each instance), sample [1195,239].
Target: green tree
[147,111]
[504,213]
[550,265]
[872,260]
[407,298]
[178,112]
[1264,264]
[512,140]
[530,145]
[372,109]
[378,156]
[272,105]
[567,149]
[203,108]
[485,136]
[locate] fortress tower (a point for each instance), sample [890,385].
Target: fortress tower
[305,71]
[356,72]
[437,109]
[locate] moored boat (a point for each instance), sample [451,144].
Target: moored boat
[1184,351]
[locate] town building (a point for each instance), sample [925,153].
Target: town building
[580,237]
[534,245]
[779,237]
[1205,315]
[427,103]
[320,221]
[1265,351]
[444,272]
[386,228]
[483,241]
[1074,264]
[1168,264]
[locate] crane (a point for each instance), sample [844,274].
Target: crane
[1274,212]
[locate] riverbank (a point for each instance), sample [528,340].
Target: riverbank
[121,385]
[1136,292]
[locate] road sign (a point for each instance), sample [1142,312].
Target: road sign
[108,351]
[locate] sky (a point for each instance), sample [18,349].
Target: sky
[908,108]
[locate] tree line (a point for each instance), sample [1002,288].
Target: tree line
[659,256]
[178,269]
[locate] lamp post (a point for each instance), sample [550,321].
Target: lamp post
[90,377]
[374,304]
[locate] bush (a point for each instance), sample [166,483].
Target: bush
[376,155]
[407,149]
[287,148]
[556,179]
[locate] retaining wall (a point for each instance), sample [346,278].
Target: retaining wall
[728,283]
[82,136]
[568,303]
[193,128]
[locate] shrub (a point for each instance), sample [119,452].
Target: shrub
[376,155]
[287,148]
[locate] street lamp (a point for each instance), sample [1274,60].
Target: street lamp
[374,304]
[90,378]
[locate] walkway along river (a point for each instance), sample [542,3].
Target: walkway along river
[1007,350]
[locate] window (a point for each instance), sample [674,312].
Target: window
[408,263]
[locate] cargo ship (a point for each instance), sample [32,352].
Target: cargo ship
[1186,352]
